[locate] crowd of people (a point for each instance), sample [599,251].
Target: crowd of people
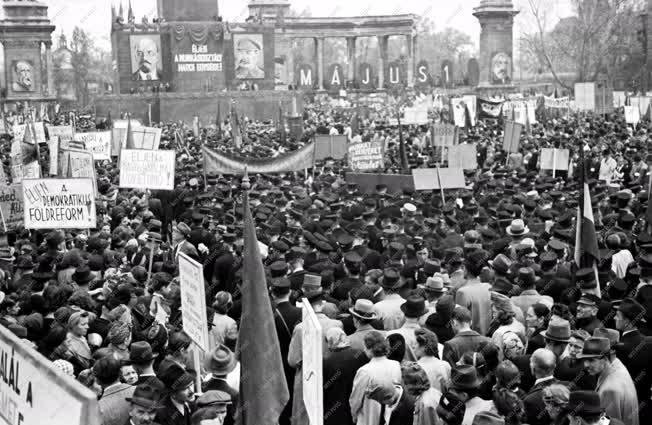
[463,310]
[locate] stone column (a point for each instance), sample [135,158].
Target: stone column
[382,60]
[319,50]
[289,63]
[409,38]
[350,50]
[49,68]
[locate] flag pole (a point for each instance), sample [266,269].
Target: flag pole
[441,187]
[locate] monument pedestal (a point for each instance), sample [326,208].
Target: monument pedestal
[496,44]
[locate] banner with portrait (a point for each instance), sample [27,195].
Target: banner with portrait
[501,68]
[23,76]
[249,56]
[146,58]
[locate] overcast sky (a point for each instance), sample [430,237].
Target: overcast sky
[94,15]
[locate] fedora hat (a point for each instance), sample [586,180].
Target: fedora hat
[584,403]
[141,352]
[311,287]
[595,347]
[435,284]
[414,306]
[611,334]
[632,310]
[82,275]
[391,279]
[176,378]
[221,361]
[501,263]
[517,228]
[465,377]
[146,396]
[363,309]
[558,330]
[526,276]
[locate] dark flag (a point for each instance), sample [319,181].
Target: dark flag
[263,387]
[489,109]
[586,242]
[468,123]
[218,120]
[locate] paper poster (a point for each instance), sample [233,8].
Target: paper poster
[442,178]
[147,138]
[65,133]
[59,203]
[98,143]
[444,135]
[193,300]
[11,202]
[147,169]
[632,115]
[554,159]
[311,364]
[366,156]
[463,156]
[53,146]
[416,115]
[512,136]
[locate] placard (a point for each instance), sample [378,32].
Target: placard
[431,179]
[330,147]
[147,138]
[463,156]
[38,392]
[147,169]
[417,115]
[366,156]
[620,97]
[38,132]
[585,96]
[53,146]
[59,203]
[65,133]
[367,182]
[193,300]
[512,136]
[311,364]
[444,135]
[11,202]
[632,115]
[642,102]
[98,143]
[554,159]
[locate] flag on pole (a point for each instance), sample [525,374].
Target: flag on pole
[586,242]
[528,127]
[263,387]
[235,127]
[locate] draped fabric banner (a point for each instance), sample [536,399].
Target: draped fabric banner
[489,109]
[217,163]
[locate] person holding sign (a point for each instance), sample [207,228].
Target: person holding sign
[608,167]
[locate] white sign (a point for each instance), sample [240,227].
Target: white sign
[65,133]
[53,145]
[585,96]
[415,115]
[554,159]
[59,203]
[193,300]
[33,392]
[124,123]
[442,178]
[144,138]
[11,202]
[98,143]
[312,366]
[632,115]
[147,169]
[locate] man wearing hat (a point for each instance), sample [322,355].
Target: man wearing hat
[363,313]
[615,386]
[434,289]
[142,359]
[143,405]
[413,308]
[176,407]
[465,381]
[219,363]
[586,316]
[389,308]
[313,292]
[529,295]
[634,348]
[180,243]
[587,408]
[212,408]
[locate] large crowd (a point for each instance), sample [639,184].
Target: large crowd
[463,310]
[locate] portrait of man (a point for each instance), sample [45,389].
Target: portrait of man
[501,68]
[249,61]
[146,57]
[23,76]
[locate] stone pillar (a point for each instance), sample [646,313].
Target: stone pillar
[382,60]
[496,42]
[289,63]
[319,50]
[409,38]
[49,69]
[350,50]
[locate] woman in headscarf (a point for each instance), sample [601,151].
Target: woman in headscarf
[76,344]
[416,383]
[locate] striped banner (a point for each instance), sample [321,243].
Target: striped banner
[217,163]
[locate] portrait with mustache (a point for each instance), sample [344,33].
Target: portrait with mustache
[146,59]
[23,79]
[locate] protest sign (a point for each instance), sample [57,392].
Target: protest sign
[489,109]
[444,178]
[193,300]
[98,143]
[471,102]
[65,133]
[124,123]
[59,203]
[53,145]
[311,364]
[38,132]
[632,115]
[366,155]
[642,102]
[620,97]
[463,156]
[11,202]
[459,111]
[20,171]
[554,159]
[416,115]
[147,169]
[35,392]
[367,182]
[330,147]
[585,96]
[147,138]
[444,135]
[556,103]
[512,136]
[19,132]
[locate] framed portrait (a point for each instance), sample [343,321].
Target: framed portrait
[146,62]
[249,56]
[501,68]
[23,78]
